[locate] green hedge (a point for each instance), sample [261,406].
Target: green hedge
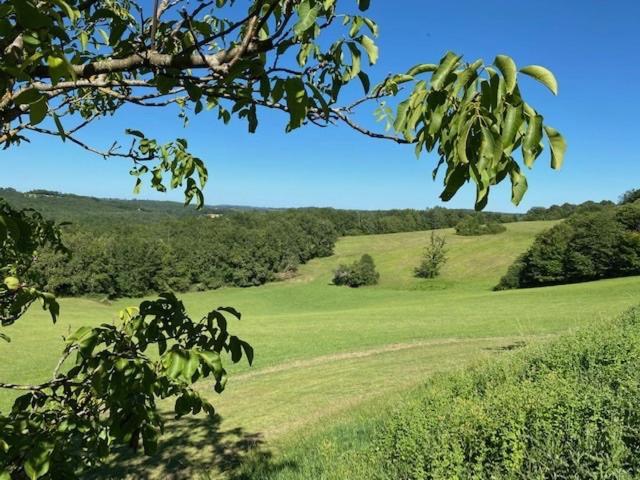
[567,410]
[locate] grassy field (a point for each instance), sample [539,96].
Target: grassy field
[329,358]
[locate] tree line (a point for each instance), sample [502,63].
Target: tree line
[121,248]
[182,254]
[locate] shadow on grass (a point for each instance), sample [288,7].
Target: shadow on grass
[197,448]
[508,348]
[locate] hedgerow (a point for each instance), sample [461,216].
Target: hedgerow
[566,410]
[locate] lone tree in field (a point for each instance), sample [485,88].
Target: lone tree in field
[65,64]
[433,258]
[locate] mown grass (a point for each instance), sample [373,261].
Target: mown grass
[325,353]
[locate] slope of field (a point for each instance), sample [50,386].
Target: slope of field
[65,207]
[325,352]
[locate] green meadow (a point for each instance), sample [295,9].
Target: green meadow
[330,361]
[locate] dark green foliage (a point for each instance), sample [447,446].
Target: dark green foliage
[568,410]
[353,222]
[433,259]
[588,246]
[558,212]
[478,225]
[128,259]
[358,274]
[22,234]
[109,396]
[630,196]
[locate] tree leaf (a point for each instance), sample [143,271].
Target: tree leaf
[422,68]
[36,464]
[558,147]
[461,144]
[532,138]
[448,63]
[371,48]
[306,17]
[543,75]
[512,123]
[296,101]
[363,5]
[12,283]
[38,111]
[518,184]
[507,67]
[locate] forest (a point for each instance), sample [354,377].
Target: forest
[129,248]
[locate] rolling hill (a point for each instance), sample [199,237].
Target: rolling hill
[330,356]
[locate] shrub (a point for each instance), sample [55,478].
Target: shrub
[476,225]
[433,259]
[566,410]
[360,273]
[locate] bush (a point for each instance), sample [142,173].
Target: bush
[475,226]
[360,273]
[590,245]
[433,259]
[567,410]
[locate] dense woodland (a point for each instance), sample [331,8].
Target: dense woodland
[591,244]
[129,248]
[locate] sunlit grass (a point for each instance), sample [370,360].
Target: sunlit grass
[325,353]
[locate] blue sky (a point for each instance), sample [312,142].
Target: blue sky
[590,45]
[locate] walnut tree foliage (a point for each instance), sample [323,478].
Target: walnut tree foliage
[66,64]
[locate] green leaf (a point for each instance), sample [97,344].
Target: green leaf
[190,366]
[461,144]
[512,123]
[296,101]
[558,147]
[60,128]
[12,283]
[371,48]
[507,67]
[518,184]
[84,40]
[36,464]
[71,13]
[30,95]
[135,133]
[366,83]
[307,17]
[57,68]
[531,143]
[543,75]
[363,5]
[174,363]
[38,111]
[422,68]
[447,65]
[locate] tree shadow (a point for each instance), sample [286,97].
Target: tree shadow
[197,448]
[507,348]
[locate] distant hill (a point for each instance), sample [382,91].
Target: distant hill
[73,208]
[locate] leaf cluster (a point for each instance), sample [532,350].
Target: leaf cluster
[108,394]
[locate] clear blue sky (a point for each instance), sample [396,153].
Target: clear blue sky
[591,45]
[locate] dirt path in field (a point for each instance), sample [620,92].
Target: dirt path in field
[510,342]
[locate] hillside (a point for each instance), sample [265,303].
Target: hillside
[66,207]
[324,353]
